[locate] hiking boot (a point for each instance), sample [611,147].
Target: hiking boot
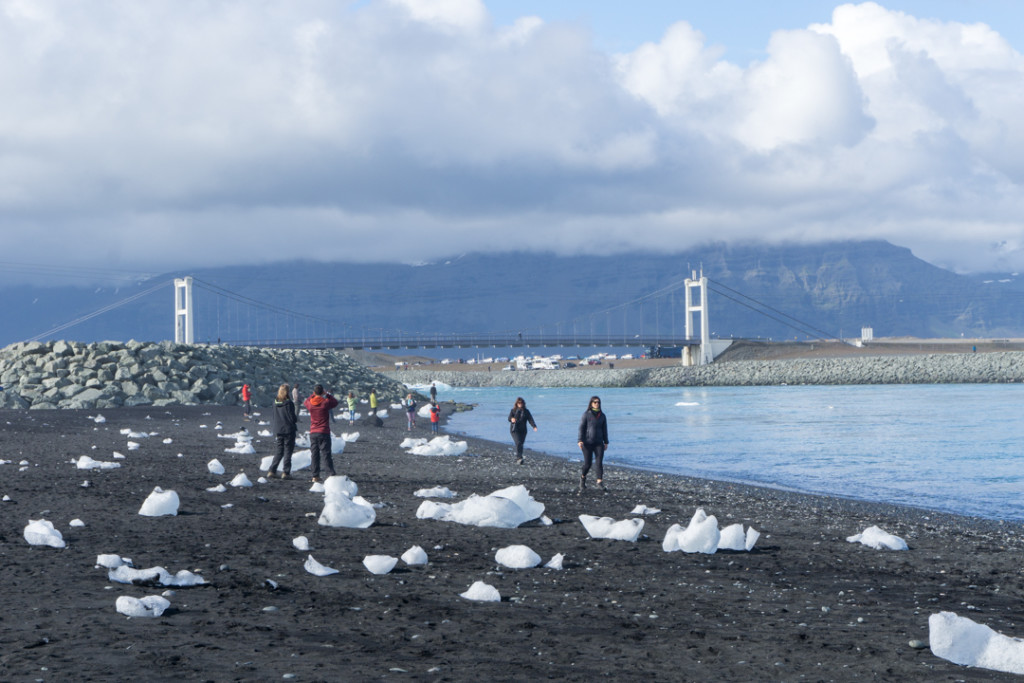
[316,480]
[519,461]
[600,485]
[284,475]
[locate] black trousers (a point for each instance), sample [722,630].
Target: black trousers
[285,448]
[519,438]
[593,453]
[320,447]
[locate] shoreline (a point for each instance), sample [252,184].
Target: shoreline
[1001,367]
[804,603]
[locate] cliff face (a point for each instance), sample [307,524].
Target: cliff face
[779,292]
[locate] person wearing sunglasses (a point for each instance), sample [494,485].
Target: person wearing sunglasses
[593,441]
[518,419]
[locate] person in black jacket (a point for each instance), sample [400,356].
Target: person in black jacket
[518,418]
[283,425]
[593,440]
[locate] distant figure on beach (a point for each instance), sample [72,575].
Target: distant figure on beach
[435,416]
[433,391]
[592,436]
[246,402]
[518,419]
[320,406]
[350,400]
[283,425]
[410,411]
[373,401]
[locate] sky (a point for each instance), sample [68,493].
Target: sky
[176,134]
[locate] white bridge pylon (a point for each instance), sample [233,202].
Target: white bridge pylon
[183,327]
[705,355]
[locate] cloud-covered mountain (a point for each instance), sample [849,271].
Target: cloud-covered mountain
[778,292]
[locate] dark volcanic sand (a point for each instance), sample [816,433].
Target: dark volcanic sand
[804,605]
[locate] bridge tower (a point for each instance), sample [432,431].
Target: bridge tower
[705,354]
[183,331]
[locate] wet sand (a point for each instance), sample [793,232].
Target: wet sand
[803,605]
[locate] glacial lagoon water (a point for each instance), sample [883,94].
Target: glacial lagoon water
[955,448]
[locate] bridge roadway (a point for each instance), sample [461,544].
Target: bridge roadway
[479,340]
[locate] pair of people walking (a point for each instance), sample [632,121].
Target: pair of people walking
[592,437]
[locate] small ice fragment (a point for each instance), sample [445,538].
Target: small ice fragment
[874,537]
[240,481]
[517,557]
[379,564]
[317,569]
[482,592]
[414,556]
[41,532]
[300,543]
[160,503]
[215,467]
[556,561]
[76,522]
[149,606]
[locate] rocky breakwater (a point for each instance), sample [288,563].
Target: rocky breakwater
[64,374]
[941,368]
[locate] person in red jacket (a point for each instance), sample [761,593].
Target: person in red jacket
[246,402]
[320,406]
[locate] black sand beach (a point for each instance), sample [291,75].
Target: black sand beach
[803,605]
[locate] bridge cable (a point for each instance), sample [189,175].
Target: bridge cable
[101,311]
[808,326]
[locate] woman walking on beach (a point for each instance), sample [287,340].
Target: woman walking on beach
[593,440]
[518,418]
[284,425]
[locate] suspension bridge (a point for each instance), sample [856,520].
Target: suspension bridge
[229,317]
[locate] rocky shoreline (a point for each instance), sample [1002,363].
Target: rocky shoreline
[938,368]
[67,374]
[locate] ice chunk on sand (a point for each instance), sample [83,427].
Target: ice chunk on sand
[110,561]
[340,485]
[240,481]
[962,641]
[215,467]
[517,557]
[350,437]
[412,443]
[158,575]
[149,606]
[76,522]
[644,510]
[606,527]
[700,536]
[441,445]
[340,511]
[317,569]
[300,461]
[873,537]
[506,511]
[414,556]
[160,503]
[87,463]
[300,543]
[219,488]
[482,592]
[436,492]
[556,561]
[242,446]
[41,532]
[379,564]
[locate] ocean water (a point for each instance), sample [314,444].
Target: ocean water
[955,448]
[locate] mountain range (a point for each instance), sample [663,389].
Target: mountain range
[756,291]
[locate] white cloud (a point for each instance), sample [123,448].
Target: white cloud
[409,130]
